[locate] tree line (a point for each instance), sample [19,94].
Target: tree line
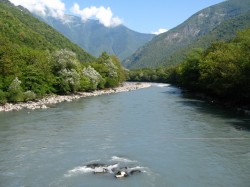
[27,74]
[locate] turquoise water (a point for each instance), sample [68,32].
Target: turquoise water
[174,140]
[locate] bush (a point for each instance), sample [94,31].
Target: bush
[3,98]
[29,96]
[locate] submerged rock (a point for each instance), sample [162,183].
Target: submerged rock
[134,171]
[119,172]
[96,165]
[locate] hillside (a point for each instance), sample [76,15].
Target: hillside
[200,24]
[223,32]
[17,25]
[96,38]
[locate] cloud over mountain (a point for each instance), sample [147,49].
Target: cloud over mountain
[102,14]
[54,8]
[160,31]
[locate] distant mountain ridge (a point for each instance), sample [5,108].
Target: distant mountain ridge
[223,32]
[164,46]
[95,38]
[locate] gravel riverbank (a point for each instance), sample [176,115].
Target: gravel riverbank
[49,100]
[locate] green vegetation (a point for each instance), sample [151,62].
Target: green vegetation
[221,71]
[35,60]
[60,73]
[18,26]
[220,21]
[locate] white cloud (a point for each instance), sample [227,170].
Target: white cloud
[104,15]
[160,31]
[53,8]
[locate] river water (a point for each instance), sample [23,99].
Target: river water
[175,140]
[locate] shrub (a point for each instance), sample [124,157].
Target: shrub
[15,91]
[29,96]
[3,98]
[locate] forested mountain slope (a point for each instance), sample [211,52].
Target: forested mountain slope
[223,32]
[200,24]
[17,25]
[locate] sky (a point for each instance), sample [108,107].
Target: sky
[145,16]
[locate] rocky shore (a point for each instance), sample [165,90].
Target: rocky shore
[53,99]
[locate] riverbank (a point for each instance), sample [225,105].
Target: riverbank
[54,99]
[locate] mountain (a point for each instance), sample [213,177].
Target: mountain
[164,47]
[96,38]
[223,32]
[17,25]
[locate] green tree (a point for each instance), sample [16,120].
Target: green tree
[66,68]
[15,91]
[110,69]
[94,78]
[189,69]
[3,97]
[220,70]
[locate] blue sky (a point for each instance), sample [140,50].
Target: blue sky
[149,15]
[144,16]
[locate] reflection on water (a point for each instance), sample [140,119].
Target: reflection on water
[239,120]
[173,139]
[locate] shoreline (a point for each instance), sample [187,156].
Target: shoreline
[54,99]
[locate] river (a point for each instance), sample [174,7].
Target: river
[175,140]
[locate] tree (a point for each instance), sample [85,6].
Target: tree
[66,68]
[92,77]
[220,70]
[189,70]
[110,69]
[15,91]
[3,98]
